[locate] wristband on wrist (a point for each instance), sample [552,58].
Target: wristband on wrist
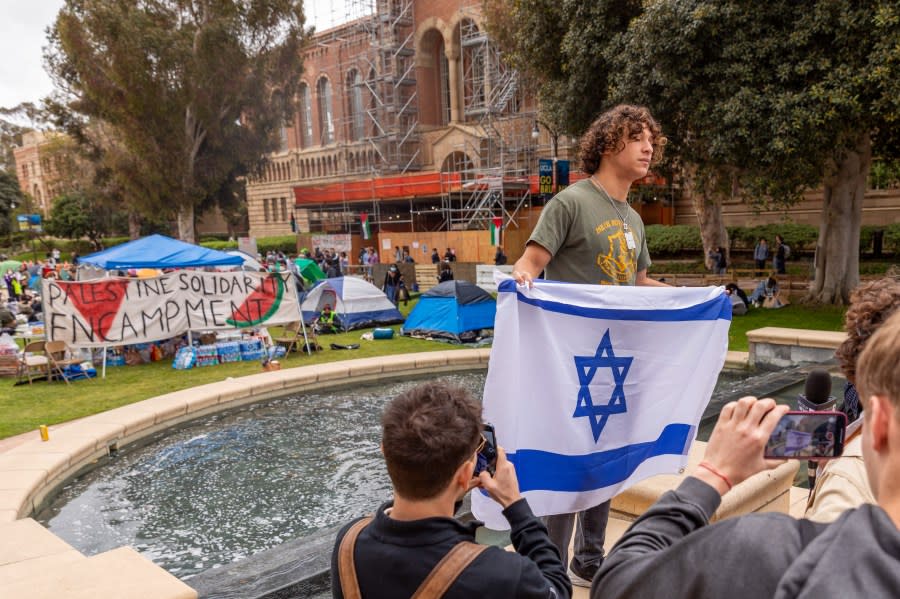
[724,478]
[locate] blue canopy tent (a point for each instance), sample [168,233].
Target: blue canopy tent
[454,310]
[159,251]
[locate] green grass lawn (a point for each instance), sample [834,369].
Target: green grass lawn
[794,316]
[25,407]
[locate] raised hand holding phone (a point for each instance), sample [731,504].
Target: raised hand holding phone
[734,452]
[503,485]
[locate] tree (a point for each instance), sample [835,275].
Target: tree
[572,52]
[761,100]
[780,97]
[10,195]
[13,123]
[74,216]
[558,46]
[194,92]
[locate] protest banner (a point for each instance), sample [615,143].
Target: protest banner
[124,311]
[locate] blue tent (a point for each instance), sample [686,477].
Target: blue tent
[159,251]
[450,310]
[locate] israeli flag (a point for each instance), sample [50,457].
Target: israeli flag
[592,388]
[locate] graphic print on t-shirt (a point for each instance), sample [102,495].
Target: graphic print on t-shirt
[619,262]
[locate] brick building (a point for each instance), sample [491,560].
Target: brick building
[410,116]
[41,163]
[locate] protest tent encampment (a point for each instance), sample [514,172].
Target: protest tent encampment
[159,251]
[358,303]
[451,309]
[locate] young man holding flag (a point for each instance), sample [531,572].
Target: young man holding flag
[589,234]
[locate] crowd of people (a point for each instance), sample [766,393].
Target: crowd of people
[20,299]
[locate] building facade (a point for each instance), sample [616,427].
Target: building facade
[410,116]
[41,163]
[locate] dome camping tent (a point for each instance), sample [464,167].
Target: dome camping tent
[454,310]
[358,304]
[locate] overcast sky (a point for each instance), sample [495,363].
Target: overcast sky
[23,25]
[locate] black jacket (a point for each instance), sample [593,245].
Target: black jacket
[393,558]
[670,552]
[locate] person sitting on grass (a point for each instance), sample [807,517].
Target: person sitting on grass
[326,323]
[768,295]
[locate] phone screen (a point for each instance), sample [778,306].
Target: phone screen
[487,457]
[807,435]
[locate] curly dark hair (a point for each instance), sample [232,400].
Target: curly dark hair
[871,304]
[610,131]
[427,433]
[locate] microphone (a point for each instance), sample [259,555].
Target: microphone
[816,397]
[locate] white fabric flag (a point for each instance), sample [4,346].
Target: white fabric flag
[592,388]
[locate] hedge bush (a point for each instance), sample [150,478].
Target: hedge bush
[892,238]
[277,243]
[220,245]
[669,240]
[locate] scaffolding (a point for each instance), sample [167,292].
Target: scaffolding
[375,50]
[504,150]
[389,82]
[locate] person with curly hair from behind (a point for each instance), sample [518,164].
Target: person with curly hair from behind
[842,484]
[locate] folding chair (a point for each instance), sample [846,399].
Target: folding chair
[296,335]
[292,336]
[57,352]
[33,362]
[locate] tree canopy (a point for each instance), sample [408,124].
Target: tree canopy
[75,215]
[760,100]
[10,195]
[194,93]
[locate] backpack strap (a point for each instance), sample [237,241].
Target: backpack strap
[346,565]
[448,570]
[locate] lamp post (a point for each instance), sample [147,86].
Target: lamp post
[12,224]
[554,137]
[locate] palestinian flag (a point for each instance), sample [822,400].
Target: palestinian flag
[364,220]
[496,228]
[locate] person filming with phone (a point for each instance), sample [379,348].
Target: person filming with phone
[437,449]
[672,551]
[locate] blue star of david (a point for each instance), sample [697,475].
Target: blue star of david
[587,367]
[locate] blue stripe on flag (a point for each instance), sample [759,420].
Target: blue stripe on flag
[714,309]
[543,471]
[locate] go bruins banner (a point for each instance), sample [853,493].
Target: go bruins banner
[120,311]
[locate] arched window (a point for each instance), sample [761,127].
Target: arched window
[371,84]
[434,80]
[459,162]
[306,118]
[278,101]
[355,105]
[326,116]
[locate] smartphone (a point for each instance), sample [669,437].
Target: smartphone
[487,456]
[808,435]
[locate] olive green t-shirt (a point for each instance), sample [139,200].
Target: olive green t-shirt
[584,235]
